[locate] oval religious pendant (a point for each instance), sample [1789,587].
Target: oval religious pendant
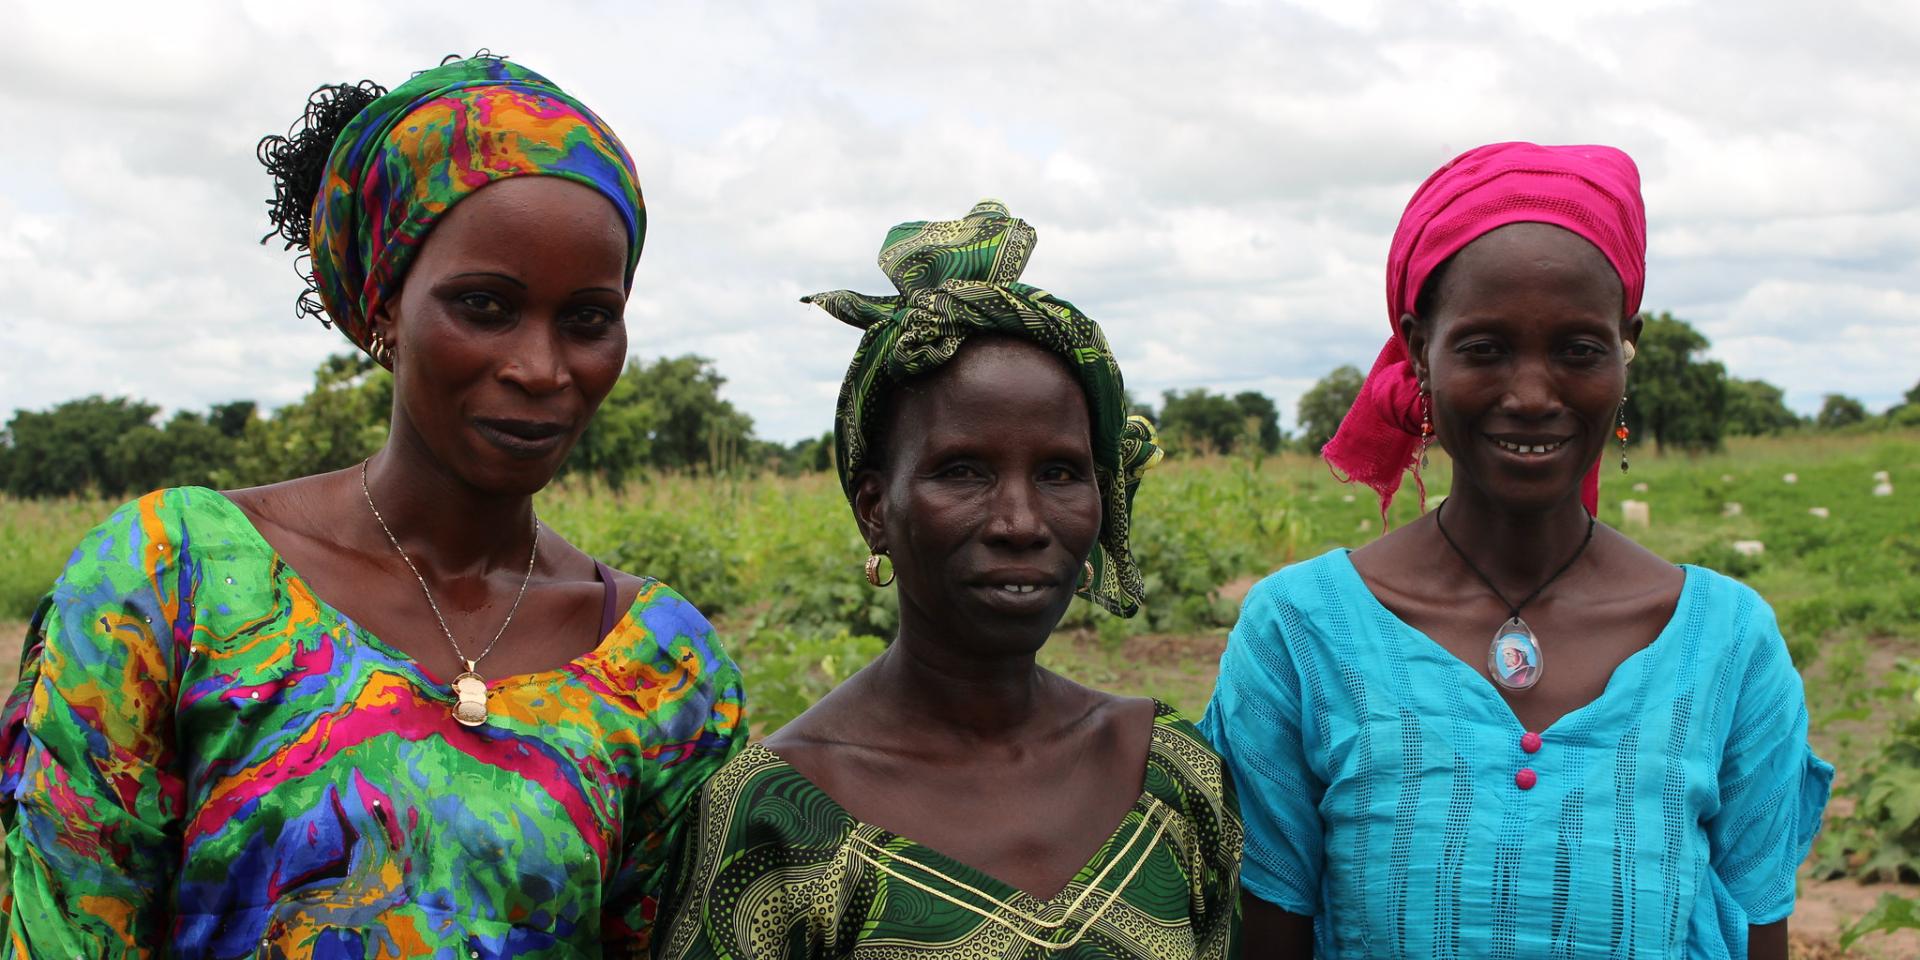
[470,698]
[1513,659]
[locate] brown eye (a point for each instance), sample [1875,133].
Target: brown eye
[482,303]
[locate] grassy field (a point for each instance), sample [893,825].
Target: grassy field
[776,564]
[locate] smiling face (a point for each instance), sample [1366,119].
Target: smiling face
[986,498]
[1521,351]
[507,333]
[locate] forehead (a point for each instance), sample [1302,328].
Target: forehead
[525,214]
[1530,260]
[994,380]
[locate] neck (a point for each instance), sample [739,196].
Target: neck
[1516,549]
[970,697]
[441,521]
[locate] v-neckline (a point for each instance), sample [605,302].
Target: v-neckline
[1478,681]
[434,684]
[1152,816]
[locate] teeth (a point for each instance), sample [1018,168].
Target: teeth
[1019,587]
[1530,448]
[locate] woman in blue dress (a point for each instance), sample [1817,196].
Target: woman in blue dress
[1504,729]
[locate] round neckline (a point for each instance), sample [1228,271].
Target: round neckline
[434,684]
[1636,662]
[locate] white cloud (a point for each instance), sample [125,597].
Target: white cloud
[1216,183]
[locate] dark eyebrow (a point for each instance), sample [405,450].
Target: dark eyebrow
[596,290]
[490,273]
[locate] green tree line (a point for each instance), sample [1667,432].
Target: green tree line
[668,414]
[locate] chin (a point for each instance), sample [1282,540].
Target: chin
[489,471]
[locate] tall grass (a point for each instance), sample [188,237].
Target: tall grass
[777,561]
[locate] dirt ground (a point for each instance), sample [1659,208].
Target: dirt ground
[1147,662]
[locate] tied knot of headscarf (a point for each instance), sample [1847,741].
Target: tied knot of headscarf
[957,279]
[1593,191]
[408,157]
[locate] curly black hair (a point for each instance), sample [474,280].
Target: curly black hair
[297,162]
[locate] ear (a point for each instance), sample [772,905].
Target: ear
[1413,337]
[870,509]
[1630,329]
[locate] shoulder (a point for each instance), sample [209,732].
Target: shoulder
[1722,611]
[1185,773]
[758,798]
[663,645]
[157,532]
[1326,580]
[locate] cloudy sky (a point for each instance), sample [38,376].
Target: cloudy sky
[1215,183]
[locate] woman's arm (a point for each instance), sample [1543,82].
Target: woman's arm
[1767,942]
[1268,932]
[89,796]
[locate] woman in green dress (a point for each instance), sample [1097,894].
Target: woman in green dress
[954,798]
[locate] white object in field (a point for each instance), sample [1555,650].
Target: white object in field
[1640,487]
[1749,548]
[1635,513]
[1730,509]
[1790,478]
[1883,489]
[1882,476]
[1366,525]
[1346,498]
[1821,512]
[1726,478]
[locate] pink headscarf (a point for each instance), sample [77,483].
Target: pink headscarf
[1593,191]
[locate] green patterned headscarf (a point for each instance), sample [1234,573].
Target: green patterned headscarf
[960,278]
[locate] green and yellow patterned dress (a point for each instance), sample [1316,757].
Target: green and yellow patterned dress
[775,868]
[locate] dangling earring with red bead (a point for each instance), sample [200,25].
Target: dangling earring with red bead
[1426,426]
[1622,432]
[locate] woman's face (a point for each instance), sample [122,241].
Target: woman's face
[1522,354]
[986,501]
[507,333]
[1515,659]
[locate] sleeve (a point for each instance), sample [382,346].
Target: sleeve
[1216,912]
[89,795]
[1773,788]
[703,722]
[1255,721]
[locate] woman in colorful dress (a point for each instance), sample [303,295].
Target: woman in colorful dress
[954,798]
[1504,729]
[384,712]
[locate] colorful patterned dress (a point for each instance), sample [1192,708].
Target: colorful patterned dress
[775,869]
[203,759]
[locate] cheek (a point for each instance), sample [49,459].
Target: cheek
[598,366]
[1077,523]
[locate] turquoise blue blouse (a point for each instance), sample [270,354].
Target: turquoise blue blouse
[1380,781]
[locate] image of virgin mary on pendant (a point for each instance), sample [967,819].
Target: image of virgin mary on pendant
[1513,659]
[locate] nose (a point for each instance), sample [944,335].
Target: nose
[536,361]
[1016,521]
[1533,393]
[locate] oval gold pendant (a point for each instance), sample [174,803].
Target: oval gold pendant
[470,699]
[1514,659]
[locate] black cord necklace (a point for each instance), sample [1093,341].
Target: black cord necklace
[1514,659]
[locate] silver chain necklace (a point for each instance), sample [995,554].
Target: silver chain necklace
[469,688]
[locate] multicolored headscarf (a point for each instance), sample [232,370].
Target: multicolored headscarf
[408,157]
[1592,191]
[959,278]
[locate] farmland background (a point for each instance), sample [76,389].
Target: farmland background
[775,561]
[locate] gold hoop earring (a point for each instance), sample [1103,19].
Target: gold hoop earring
[873,569]
[1086,567]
